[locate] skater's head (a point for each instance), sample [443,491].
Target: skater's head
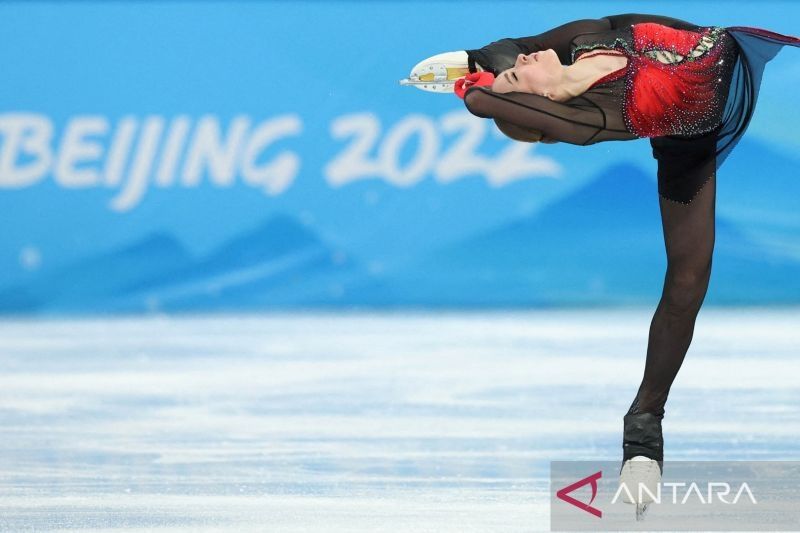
[537,73]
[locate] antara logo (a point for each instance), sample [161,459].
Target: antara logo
[563,494]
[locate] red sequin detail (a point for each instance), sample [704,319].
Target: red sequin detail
[662,98]
[682,97]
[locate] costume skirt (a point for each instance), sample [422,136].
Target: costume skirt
[686,163]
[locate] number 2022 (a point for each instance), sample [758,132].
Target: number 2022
[355,162]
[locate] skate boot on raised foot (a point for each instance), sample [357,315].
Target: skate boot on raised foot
[439,73]
[642,460]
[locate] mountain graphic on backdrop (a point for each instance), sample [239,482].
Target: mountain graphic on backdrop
[92,282]
[757,172]
[597,245]
[278,263]
[602,244]
[760,186]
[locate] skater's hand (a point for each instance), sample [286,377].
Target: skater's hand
[474,79]
[498,55]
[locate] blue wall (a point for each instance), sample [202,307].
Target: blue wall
[228,156]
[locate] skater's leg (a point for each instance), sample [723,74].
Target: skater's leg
[689,239]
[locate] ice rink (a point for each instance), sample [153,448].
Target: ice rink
[331,422]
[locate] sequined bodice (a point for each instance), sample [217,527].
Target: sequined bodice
[675,82]
[681,79]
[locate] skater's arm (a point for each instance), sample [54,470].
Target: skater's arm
[518,133]
[579,122]
[500,55]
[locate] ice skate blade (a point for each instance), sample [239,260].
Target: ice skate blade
[433,87]
[438,73]
[641,509]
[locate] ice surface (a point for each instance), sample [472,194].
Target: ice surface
[360,422]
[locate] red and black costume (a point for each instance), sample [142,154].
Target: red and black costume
[691,89]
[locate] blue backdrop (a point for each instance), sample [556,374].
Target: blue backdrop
[232,156]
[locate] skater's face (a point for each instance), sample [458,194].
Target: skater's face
[536,73]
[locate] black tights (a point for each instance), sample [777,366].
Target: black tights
[689,239]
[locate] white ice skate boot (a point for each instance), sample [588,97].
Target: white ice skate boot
[641,477]
[439,73]
[642,460]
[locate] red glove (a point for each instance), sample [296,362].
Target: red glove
[474,79]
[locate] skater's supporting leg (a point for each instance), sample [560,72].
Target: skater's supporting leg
[689,238]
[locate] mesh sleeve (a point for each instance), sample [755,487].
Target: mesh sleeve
[501,55]
[518,133]
[580,121]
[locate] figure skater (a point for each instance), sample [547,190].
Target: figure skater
[692,90]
